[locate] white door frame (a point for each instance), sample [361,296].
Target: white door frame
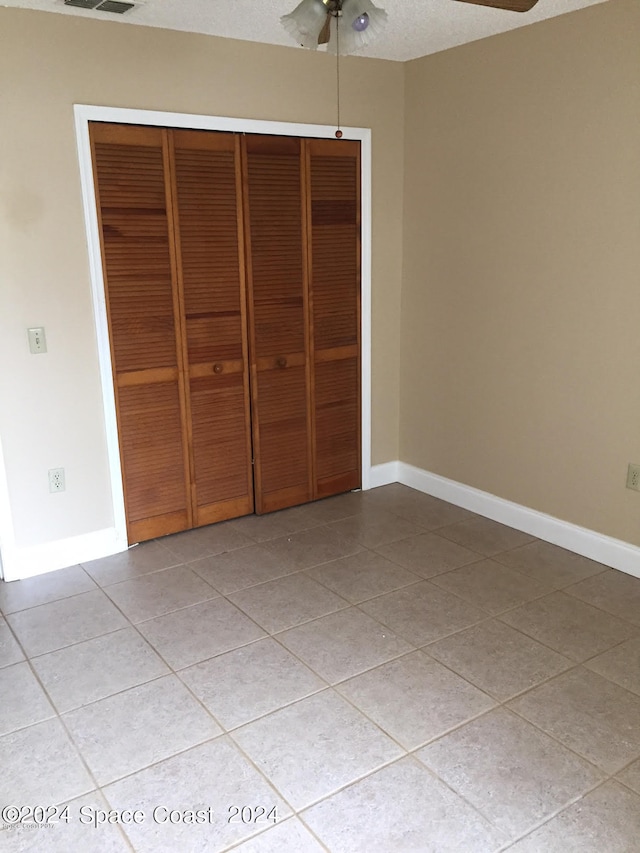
[84,113]
[7,537]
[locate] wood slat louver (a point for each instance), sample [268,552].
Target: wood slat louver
[333,200]
[133,196]
[211,273]
[278,320]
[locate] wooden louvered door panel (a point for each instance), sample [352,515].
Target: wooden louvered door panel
[211,271]
[275,233]
[333,197]
[133,192]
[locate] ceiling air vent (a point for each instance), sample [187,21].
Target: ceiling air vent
[82,4]
[114,6]
[101,5]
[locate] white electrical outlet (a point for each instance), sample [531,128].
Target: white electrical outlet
[56,479]
[633,477]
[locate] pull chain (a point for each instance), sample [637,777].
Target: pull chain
[338,131]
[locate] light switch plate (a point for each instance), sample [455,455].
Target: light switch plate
[37,340]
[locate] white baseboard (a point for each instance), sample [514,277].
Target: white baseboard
[382,475]
[596,546]
[37,559]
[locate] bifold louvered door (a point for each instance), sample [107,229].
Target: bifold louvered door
[278,320]
[134,206]
[232,283]
[169,208]
[333,195]
[208,228]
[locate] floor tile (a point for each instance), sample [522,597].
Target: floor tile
[97,668]
[311,749]
[137,560]
[613,591]
[491,586]
[241,568]
[514,774]
[337,507]
[376,527]
[620,664]
[485,536]
[286,602]
[23,702]
[569,626]
[423,612]
[428,554]
[401,809]
[40,766]
[249,682]
[385,496]
[412,660]
[160,592]
[212,776]
[427,511]
[415,699]
[605,819]
[127,732]
[20,595]
[205,541]
[69,836]
[61,623]
[631,776]
[343,644]
[550,564]
[362,575]
[312,547]
[10,651]
[498,659]
[287,837]
[200,632]
[594,717]
[273,525]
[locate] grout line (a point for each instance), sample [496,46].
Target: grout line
[166,613]
[96,588]
[464,799]
[604,773]
[295,816]
[226,730]
[530,829]
[77,643]
[412,750]
[548,818]
[148,574]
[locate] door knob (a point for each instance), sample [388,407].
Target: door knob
[218,368]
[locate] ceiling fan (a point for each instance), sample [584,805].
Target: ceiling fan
[315,22]
[509,5]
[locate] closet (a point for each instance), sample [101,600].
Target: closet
[232,284]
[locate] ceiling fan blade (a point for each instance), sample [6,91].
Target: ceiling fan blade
[325,32]
[509,5]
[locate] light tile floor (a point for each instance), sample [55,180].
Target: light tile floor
[378,672]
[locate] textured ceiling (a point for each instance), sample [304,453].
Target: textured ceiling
[415,27]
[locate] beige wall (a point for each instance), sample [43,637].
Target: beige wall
[520,358]
[51,410]
[519,351]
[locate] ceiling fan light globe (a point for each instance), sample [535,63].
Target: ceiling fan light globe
[351,39]
[361,23]
[305,22]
